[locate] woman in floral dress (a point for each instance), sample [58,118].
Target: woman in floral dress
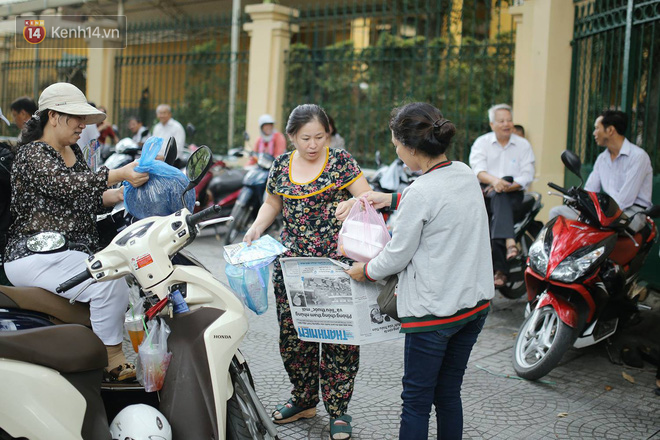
[307,186]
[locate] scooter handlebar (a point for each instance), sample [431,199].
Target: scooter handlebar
[558,188]
[207,214]
[73,281]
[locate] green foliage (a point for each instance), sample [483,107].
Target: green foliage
[359,88]
[206,100]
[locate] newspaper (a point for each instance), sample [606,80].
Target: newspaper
[92,154]
[328,306]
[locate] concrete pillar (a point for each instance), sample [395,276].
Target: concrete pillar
[101,73]
[456,22]
[270,37]
[541,89]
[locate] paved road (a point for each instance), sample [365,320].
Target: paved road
[586,397]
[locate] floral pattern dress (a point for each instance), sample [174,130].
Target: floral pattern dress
[47,195]
[310,230]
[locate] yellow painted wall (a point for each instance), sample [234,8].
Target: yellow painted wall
[542,86]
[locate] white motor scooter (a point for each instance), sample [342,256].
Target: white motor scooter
[50,375]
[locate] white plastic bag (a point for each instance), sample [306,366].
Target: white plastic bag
[154,357]
[363,234]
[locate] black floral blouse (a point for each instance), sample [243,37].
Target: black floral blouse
[46,195]
[310,226]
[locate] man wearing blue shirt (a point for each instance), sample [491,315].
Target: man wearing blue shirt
[623,170]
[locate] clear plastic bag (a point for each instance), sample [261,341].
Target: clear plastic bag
[363,234]
[154,357]
[161,195]
[250,284]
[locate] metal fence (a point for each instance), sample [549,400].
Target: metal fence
[359,59]
[185,64]
[26,72]
[616,65]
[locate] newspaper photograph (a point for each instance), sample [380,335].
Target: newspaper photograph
[328,306]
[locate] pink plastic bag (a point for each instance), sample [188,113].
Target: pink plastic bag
[363,234]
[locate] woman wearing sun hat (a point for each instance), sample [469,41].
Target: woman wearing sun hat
[53,189]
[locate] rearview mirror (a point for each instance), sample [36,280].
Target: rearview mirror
[46,242]
[198,164]
[171,151]
[572,162]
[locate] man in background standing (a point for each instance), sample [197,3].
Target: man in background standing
[169,127]
[22,110]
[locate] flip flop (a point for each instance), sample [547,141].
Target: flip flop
[499,279]
[511,252]
[123,373]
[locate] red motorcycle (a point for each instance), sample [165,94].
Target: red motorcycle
[581,277]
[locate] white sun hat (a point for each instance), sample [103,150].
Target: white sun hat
[66,98]
[2,117]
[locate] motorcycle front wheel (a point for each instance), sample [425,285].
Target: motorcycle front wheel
[243,420]
[541,342]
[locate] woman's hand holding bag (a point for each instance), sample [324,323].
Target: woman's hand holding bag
[161,194]
[363,234]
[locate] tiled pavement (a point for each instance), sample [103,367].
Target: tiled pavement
[586,397]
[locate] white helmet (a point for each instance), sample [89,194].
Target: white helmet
[265,119]
[140,422]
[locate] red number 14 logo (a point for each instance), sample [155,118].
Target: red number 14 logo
[33,32]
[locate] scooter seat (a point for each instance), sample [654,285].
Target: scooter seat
[227,181]
[525,207]
[43,301]
[528,202]
[68,348]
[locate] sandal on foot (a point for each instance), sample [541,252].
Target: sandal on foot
[499,279]
[123,373]
[289,412]
[511,252]
[340,427]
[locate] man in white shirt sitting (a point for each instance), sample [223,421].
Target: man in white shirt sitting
[169,127]
[623,170]
[504,164]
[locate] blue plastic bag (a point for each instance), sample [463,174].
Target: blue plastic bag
[161,195]
[250,284]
